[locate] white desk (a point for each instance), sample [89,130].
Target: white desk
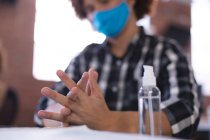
[71,133]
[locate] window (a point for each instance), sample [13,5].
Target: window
[58,36]
[201,42]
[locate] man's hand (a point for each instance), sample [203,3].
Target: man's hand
[55,114]
[57,108]
[85,103]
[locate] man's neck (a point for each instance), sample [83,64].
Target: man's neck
[121,43]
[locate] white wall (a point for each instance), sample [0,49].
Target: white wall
[59,36]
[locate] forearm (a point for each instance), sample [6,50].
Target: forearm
[183,118]
[166,127]
[123,121]
[129,122]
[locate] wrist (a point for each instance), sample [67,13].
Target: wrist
[122,122]
[108,123]
[111,124]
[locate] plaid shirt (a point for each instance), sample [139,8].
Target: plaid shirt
[120,79]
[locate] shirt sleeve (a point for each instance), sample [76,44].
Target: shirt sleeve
[179,93]
[74,71]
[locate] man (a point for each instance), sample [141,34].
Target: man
[119,62]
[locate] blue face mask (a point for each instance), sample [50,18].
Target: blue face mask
[111,22]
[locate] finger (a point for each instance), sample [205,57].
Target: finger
[78,93]
[87,90]
[75,96]
[95,89]
[74,119]
[64,124]
[65,78]
[82,83]
[65,111]
[50,115]
[59,98]
[95,74]
[72,96]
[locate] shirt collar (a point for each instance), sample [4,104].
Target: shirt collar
[138,37]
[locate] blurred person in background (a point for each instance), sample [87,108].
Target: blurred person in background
[8,96]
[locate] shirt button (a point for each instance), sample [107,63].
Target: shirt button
[114,89]
[118,62]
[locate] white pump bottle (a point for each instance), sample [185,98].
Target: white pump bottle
[149,104]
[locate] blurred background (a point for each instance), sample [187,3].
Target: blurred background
[36,38]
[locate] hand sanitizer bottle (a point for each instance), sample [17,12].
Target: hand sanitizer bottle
[149,104]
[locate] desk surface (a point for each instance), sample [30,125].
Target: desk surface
[71,133]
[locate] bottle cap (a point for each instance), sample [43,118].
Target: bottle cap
[148,77]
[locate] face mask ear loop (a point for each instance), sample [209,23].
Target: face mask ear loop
[126,2]
[92,16]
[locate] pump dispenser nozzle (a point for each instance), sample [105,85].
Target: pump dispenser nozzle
[148,77]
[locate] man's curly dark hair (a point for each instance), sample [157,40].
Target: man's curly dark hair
[141,7]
